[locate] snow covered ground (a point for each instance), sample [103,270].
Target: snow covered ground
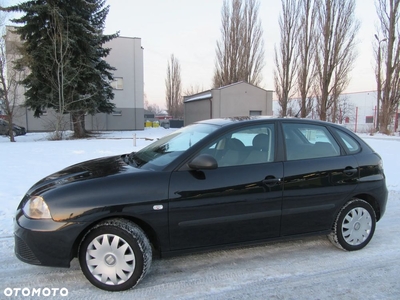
[309,268]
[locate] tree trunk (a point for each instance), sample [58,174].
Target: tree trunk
[78,121]
[11,132]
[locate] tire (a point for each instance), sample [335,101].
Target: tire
[115,255]
[354,226]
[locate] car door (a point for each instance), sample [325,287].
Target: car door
[319,177]
[238,201]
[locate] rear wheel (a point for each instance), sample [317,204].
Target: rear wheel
[354,226]
[115,255]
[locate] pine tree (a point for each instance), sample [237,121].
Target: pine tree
[63,48]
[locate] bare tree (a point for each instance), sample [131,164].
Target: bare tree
[59,73]
[388,12]
[155,108]
[192,90]
[174,88]
[286,59]
[240,53]
[346,110]
[306,54]
[335,53]
[152,107]
[10,91]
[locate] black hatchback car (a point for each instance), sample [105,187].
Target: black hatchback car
[17,130]
[214,183]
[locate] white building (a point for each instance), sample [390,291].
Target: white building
[126,56]
[359,112]
[235,100]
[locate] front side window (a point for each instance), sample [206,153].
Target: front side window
[162,152]
[244,146]
[305,141]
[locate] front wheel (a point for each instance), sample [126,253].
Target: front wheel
[354,226]
[115,255]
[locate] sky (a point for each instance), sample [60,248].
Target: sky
[189,29]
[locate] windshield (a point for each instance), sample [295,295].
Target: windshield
[168,148]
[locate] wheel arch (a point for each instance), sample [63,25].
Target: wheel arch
[371,201]
[147,229]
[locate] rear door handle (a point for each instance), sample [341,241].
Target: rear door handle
[349,171]
[271,181]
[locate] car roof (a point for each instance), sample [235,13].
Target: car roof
[232,120]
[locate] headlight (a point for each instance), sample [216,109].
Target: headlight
[36,208]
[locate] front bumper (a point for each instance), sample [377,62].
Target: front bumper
[45,242]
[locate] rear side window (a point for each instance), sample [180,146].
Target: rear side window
[306,141]
[350,143]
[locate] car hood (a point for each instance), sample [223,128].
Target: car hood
[97,168]
[94,188]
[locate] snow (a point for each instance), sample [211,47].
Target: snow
[200,97]
[299,269]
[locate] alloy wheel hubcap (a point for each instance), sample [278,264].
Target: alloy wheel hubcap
[110,259]
[356,226]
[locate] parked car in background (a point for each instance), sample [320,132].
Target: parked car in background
[215,183]
[4,129]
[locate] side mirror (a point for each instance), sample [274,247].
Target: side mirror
[203,162]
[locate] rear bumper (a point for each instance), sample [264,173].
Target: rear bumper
[45,242]
[383,201]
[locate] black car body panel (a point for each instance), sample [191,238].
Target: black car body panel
[182,209]
[46,243]
[313,195]
[208,208]
[104,186]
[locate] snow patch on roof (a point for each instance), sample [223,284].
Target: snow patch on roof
[199,97]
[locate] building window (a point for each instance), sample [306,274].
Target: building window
[117,83]
[117,113]
[369,119]
[255,113]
